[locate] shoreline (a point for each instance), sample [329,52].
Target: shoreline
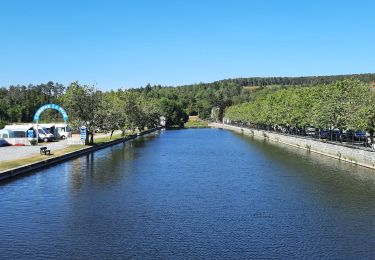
[356,156]
[27,168]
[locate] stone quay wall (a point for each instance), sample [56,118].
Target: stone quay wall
[357,155]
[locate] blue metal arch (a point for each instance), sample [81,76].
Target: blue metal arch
[50,106]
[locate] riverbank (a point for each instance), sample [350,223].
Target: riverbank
[359,156]
[196,122]
[19,167]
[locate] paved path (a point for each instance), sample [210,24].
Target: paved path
[16,152]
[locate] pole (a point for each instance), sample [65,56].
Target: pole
[37,133]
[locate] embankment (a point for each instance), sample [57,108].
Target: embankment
[360,156]
[7,174]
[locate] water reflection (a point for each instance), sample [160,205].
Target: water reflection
[191,194]
[105,167]
[291,158]
[336,183]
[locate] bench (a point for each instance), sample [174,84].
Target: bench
[45,151]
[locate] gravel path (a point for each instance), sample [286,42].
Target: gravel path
[16,152]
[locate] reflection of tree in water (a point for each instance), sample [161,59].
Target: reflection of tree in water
[108,165]
[338,179]
[78,171]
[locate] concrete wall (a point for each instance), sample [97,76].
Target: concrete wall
[360,156]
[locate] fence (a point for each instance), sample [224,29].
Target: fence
[337,137]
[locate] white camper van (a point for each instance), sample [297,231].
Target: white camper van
[44,135]
[59,130]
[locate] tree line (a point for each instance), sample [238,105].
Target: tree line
[19,103]
[200,98]
[294,81]
[88,106]
[344,104]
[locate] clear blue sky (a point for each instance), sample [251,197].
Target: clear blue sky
[172,42]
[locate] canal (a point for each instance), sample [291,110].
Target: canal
[204,193]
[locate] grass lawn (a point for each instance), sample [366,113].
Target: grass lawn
[195,122]
[101,140]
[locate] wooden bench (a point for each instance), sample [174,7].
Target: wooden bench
[45,151]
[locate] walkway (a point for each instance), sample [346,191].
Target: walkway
[17,152]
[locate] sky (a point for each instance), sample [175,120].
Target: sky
[121,44]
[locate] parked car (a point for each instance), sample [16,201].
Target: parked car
[335,134]
[324,134]
[360,135]
[350,135]
[310,131]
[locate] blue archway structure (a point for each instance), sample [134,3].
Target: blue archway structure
[45,107]
[50,106]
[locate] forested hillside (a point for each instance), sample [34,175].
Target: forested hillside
[19,103]
[200,98]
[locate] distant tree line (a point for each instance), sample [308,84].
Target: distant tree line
[19,103]
[199,99]
[344,104]
[290,81]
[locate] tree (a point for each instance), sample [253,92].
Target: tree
[345,104]
[174,113]
[111,116]
[84,103]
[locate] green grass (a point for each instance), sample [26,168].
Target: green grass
[105,139]
[196,124]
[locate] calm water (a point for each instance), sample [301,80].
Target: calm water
[191,194]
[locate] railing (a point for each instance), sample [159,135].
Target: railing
[331,136]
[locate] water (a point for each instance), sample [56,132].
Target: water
[191,194]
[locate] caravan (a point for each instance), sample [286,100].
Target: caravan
[20,134]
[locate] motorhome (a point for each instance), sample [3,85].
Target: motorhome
[59,130]
[44,135]
[22,134]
